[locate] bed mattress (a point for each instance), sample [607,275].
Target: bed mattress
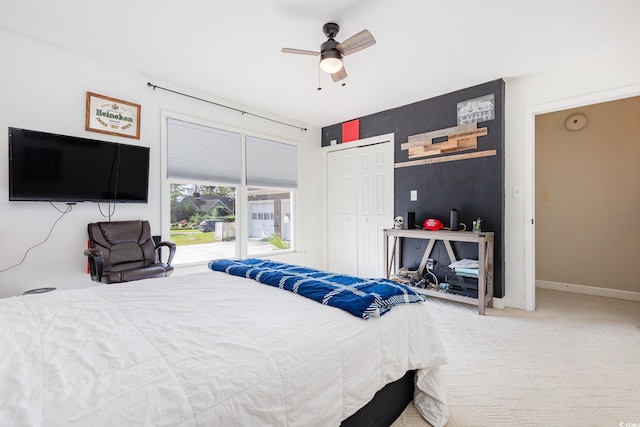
[205,349]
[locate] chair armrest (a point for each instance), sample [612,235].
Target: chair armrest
[96,263]
[172,249]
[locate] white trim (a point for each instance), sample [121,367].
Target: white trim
[499,303]
[165,197]
[589,290]
[529,210]
[378,139]
[529,161]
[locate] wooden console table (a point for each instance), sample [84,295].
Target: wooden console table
[484,240]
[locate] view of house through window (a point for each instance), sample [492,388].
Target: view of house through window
[269,220]
[203,221]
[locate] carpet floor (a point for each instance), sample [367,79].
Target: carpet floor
[575,361]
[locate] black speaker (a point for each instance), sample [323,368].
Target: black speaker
[454,220]
[410,220]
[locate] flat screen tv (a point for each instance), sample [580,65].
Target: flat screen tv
[58,168]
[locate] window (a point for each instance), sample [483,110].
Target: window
[207,168]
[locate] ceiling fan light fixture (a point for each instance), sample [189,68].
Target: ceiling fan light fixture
[330,61]
[331,52]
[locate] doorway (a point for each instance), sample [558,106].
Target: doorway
[533,194]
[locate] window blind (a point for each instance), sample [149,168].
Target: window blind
[202,153]
[271,163]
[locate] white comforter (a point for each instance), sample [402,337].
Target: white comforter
[204,349]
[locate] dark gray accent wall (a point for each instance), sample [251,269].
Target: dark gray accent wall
[473,186]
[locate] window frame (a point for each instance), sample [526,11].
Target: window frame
[241,201]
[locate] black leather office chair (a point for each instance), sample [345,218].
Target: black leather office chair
[122,251]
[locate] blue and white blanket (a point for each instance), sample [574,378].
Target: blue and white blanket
[363,298]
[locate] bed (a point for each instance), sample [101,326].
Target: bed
[207,348]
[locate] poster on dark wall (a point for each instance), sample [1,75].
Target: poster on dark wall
[477,110]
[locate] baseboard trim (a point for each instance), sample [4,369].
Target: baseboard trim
[499,303]
[589,290]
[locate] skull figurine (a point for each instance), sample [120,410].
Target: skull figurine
[398,222]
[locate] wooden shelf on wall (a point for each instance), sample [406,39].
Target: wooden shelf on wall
[459,138]
[449,158]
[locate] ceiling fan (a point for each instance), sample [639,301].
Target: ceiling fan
[331,52]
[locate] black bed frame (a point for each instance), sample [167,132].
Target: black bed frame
[386,406]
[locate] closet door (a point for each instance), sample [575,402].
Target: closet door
[360,206]
[375,207]
[342,207]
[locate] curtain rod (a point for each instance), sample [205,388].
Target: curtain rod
[224,106]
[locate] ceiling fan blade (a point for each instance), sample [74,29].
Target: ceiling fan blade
[341,74]
[300,51]
[356,43]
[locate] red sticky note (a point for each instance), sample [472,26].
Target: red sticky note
[351,130]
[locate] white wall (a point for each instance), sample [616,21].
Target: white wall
[44,88]
[524,94]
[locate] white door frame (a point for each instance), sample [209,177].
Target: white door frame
[530,154]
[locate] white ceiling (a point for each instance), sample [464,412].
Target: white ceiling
[424,48]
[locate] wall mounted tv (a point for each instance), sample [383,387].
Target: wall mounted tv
[58,168]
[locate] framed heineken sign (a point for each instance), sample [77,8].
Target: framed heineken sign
[112,116]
